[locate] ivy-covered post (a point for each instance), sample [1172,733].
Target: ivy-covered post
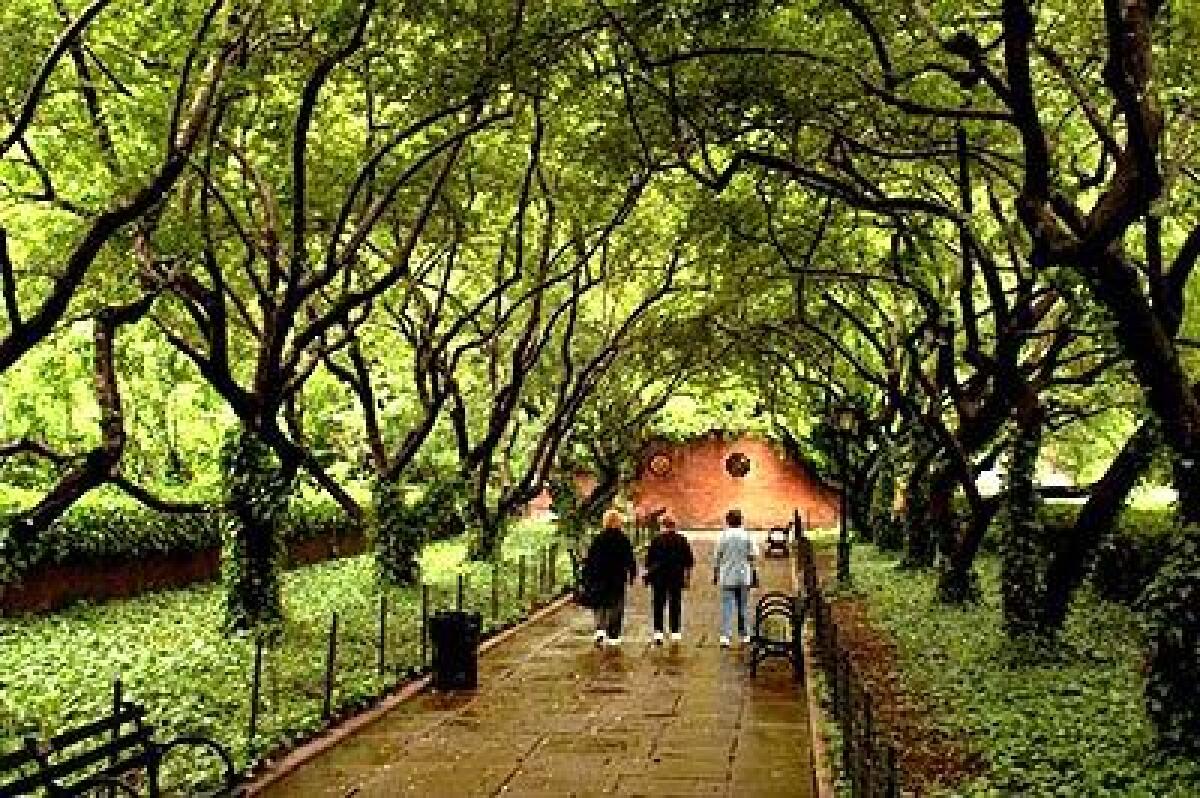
[399,535]
[918,537]
[1021,572]
[256,498]
[889,535]
[1171,618]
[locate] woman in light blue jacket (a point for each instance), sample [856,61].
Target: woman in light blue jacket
[733,570]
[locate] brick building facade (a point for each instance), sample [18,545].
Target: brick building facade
[693,481]
[699,480]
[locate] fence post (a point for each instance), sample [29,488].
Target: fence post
[330,660]
[832,628]
[424,624]
[818,601]
[541,582]
[118,699]
[848,752]
[382,633]
[868,735]
[255,689]
[521,578]
[893,783]
[553,566]
[458,605]
[495,591]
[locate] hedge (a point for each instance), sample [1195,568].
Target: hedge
[116,528]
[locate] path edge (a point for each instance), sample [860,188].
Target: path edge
[820,752]
[335,735]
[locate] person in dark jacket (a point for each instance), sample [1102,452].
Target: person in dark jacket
[608,568]
[668,571]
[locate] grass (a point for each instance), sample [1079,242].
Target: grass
[57,670]
[1074,726]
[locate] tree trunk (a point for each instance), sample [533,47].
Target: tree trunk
[399,536]
[1069,563]
[1021,585]
[103,462]
[486,542]
[918,542]
[889,535]
[256,495]
[958,582]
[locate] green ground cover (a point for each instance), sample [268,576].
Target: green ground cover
[57,670]
[1072,727]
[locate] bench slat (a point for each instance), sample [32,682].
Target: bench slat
[26,785]
[15,759]
[129,713]
[75,764]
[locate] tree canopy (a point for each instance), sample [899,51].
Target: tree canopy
[478,244]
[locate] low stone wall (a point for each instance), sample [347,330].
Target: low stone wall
[52,587]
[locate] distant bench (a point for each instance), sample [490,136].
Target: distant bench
[112,756]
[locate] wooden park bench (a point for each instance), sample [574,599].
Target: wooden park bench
[113,756]
[778,630]
[777,541]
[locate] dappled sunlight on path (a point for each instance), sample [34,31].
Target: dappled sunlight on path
[557,717]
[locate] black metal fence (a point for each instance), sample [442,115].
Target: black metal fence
[868,762]
[366,651]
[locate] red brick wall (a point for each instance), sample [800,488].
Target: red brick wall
[698,490]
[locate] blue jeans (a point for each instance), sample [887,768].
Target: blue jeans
[739,598]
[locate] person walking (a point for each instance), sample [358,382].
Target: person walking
[668,571]
[608,568]
[733,571]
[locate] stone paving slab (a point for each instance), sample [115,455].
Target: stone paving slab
[557,717]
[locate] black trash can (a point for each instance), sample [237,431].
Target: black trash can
[455,638]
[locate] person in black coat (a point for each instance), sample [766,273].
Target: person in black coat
[668,571]
[608,568]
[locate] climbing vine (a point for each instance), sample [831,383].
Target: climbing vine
[918,548]
[1021,550]
[1171,605]
[399,534]
[256,498]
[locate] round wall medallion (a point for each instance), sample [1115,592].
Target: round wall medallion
[737,464]
[660,465]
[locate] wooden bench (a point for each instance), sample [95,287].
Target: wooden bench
[113,756]
[777,541]
[770,640]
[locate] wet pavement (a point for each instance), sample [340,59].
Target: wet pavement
[557,717]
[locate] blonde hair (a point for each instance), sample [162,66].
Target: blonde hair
[613,519]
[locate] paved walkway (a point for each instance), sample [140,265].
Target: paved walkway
[557,717]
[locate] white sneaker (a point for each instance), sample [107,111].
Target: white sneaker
[614,641]
[658,638]
[599,637]
[724,641]
[676,637]
[745,640]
